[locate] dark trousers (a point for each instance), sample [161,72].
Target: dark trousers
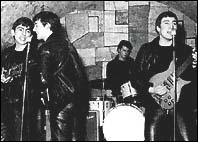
[11,122]
[62,124]
[68,124]
[160,126]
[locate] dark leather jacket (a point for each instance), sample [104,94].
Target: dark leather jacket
[63,73]
[152,59]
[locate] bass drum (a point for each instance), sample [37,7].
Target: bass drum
[124,123]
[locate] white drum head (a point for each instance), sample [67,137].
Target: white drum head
[124,123]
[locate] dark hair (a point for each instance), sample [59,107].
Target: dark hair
[24,21]
[125,43]
[49,17]
[162,15]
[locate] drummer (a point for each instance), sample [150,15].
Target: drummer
[120,72]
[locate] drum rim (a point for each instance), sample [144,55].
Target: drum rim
[100,99]
[124,104]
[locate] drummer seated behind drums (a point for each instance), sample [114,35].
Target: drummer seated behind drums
[120,72]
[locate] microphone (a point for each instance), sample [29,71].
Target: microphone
[173,32]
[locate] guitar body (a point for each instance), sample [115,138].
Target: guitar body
[15,71]
[166,78]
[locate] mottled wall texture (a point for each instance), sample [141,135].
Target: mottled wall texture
[96,27]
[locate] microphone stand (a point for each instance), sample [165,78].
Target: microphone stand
[103,100]
[45,100]
[175,82]
[24,90]
[47,118]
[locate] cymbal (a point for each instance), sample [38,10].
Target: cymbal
[99,84]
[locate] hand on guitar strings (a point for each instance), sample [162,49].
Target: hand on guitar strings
[159,90]
[5,79]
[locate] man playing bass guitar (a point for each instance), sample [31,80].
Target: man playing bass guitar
[163,67]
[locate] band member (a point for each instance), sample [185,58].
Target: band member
[19,84]
[120,71]
[64,77]
[159,64]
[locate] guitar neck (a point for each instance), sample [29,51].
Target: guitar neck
[183,67]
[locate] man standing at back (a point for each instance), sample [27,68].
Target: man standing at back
[120,70]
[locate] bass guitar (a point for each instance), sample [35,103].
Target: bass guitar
[166,79]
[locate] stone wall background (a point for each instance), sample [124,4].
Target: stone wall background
[96,27]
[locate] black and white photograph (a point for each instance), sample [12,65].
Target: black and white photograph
[98,70]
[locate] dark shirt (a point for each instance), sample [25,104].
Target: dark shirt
[118,73]
[14,60]
[13,92]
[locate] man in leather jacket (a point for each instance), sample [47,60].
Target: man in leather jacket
[153,58]
[19,85]
[64,76]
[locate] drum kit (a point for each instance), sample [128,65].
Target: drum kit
[119,122]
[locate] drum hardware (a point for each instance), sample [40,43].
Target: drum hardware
[99,84]
[102,105]
[128,90]
[106,104]
[131,114]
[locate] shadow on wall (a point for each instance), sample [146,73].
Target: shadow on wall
[181,33]
[5,45]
